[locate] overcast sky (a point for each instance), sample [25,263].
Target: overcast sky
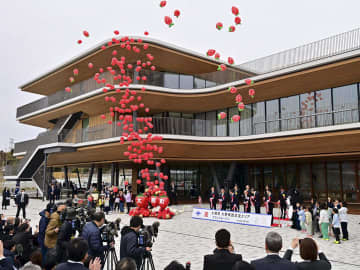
[37,35]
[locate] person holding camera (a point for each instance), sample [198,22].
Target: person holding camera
[92,234]
[129,245]
[65,234]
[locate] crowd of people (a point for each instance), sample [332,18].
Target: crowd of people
[323,218]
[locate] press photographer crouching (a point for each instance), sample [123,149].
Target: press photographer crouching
[92,234]
[131,244]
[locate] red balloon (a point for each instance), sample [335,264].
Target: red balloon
[162,4]
[163,202]
[146,33]
[90,65]
[116,32]
[177,13]
[168,21]
[235,11]
[219,26]
[86,33]
[79,41]
[126,183]
[68,89]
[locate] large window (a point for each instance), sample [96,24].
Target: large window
[186,81]
[272,116]
[171,80]
[199,83]
[333,179]
[234,127]
[345,101]
[290,176]
[290,112]
[268,178]
[211,123]
[307,110]
[323,108]
[279,176]
[200,124]
[305,180]
[349,180]
[318,178]
[221,126]
[259,117]
[246,121]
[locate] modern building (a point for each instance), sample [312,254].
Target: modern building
[301,130]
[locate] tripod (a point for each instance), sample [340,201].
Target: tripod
[111,258]
[147,262]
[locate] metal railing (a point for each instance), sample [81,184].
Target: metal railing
[335,45]
[219,128]
[155,78]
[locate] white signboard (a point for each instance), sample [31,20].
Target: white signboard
[251,219]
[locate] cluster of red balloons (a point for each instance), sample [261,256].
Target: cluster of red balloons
[237,20]
[167,19]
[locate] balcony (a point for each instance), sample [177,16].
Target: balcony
[154,78]
[219,128]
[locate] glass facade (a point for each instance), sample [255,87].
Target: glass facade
[315,109]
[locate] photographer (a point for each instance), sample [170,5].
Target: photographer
[92,234]
[65,234]
[129,246]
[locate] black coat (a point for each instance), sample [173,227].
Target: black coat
[6,264]
[221,259]
[65,234]
[26,240]
[44,221]
[129,246]
[70,266]
[6,198]
[91,233]
[273,262]
[322,264]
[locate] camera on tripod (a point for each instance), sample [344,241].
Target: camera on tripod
[148,234]
[110,230]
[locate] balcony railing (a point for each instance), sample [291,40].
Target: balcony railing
[155,78]
[335,45]
[219,128]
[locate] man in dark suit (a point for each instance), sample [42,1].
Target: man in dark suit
[21,200]
[223,257]
[273,244]
[78,254]
[222,198]
[51,194]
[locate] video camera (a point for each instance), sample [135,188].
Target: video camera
[78,216]
[110,230]
[148,234]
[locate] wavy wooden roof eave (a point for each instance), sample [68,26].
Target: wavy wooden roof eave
[168,57]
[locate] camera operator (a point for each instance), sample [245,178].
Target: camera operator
[129,245]
[65,234]
[53,227]
[92,234]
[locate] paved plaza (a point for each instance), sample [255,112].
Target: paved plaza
[186,239]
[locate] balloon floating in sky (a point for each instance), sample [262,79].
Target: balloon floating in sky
[177,13]
[219,26]
[86,33]
[235,11]
[221,67]
[146,33]
[232,28]
[168,21]
[235,118]
[252,93]
[237,20]
[79,41]
[221,115]
[162,4]
[230,60]
[217,56]
[232,90]
[116,32]
[249,81]
[210,52]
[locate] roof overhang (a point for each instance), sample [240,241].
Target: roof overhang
[168,58]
